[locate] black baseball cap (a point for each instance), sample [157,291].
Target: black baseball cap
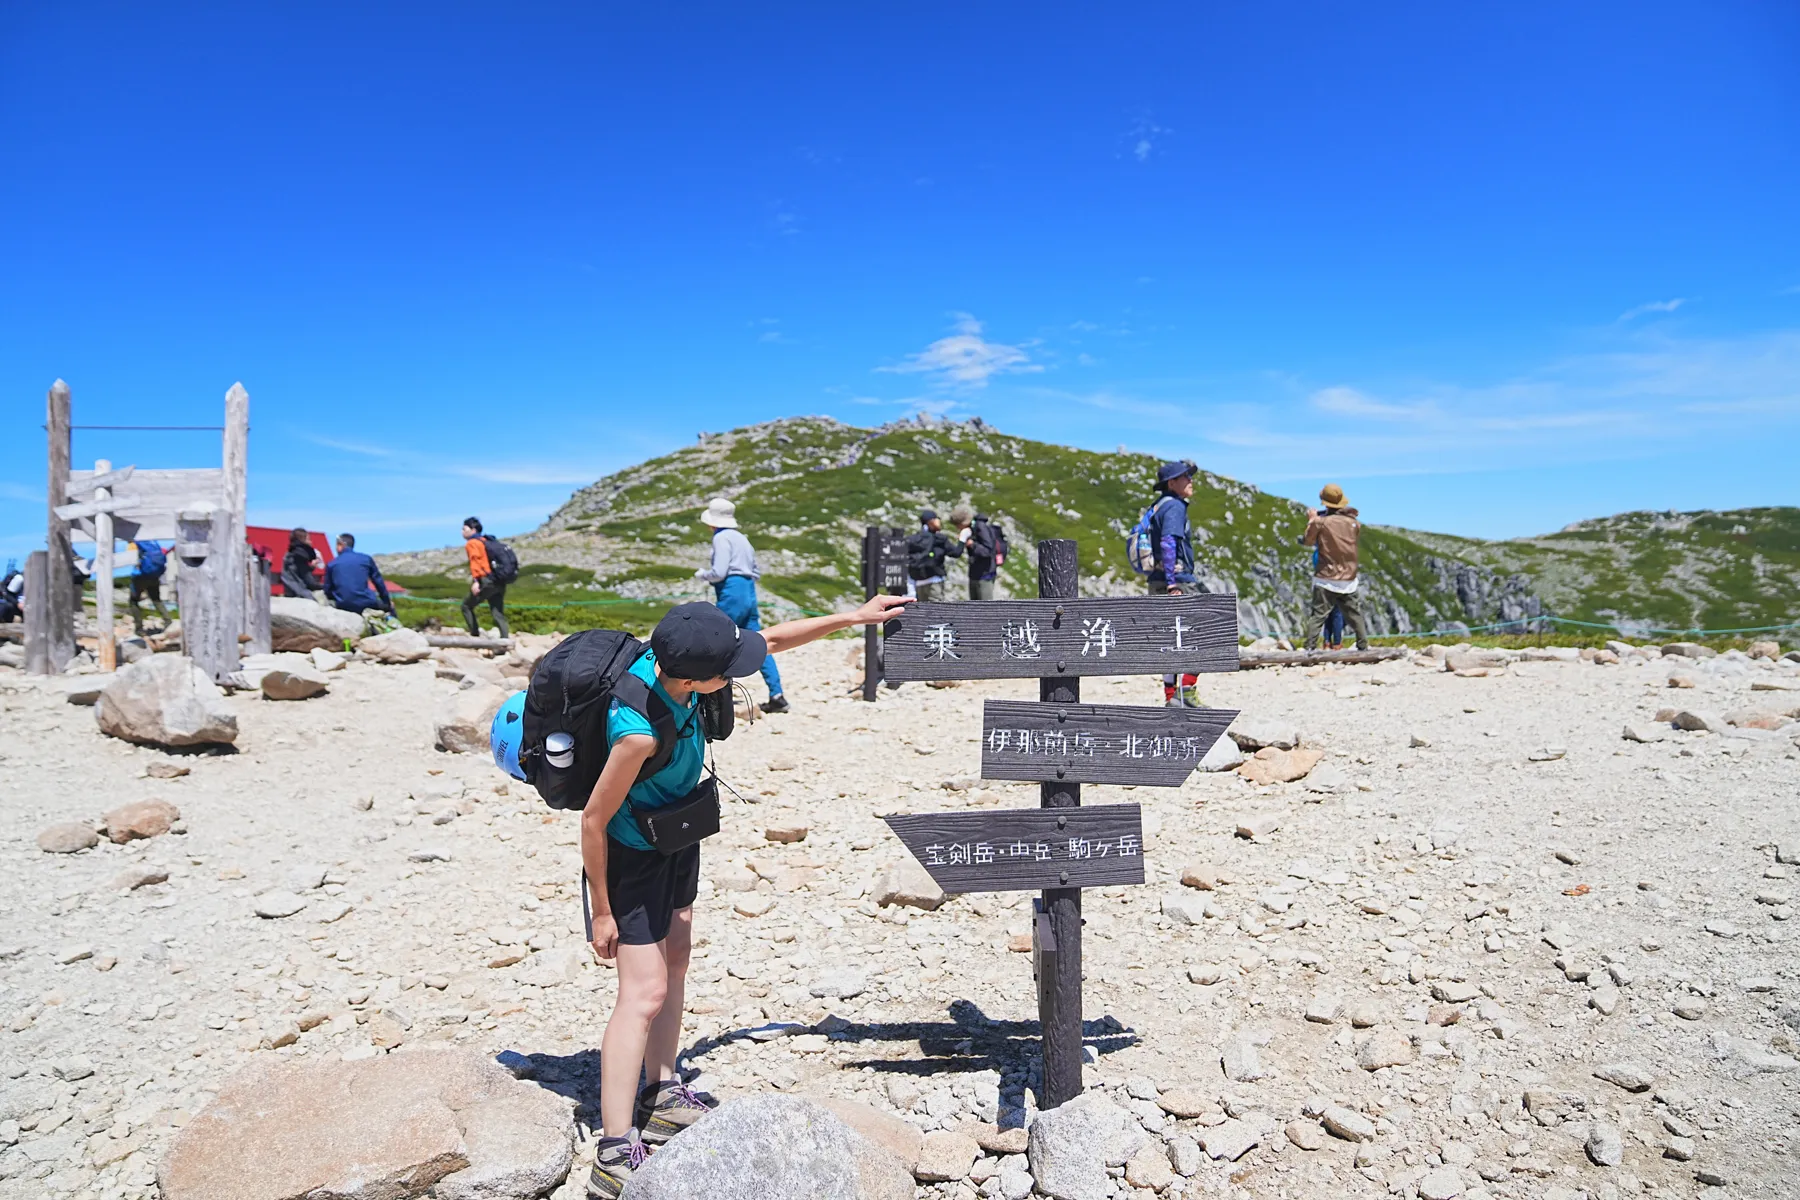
[927,517]
[698,641]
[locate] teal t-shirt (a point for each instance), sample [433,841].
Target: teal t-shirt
[674,781]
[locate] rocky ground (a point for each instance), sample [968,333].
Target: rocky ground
[1487,947]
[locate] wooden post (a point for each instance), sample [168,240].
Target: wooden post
[37,614]
[229,544]
[871,567]
[58,596]
[1059,996]
[106,648]
[209,598]
[256,604]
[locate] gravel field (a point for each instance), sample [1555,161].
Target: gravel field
[1568,948]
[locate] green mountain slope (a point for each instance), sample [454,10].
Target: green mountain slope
[806,488]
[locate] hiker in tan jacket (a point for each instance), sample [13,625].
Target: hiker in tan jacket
[1333,530]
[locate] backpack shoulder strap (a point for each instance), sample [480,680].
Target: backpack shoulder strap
[642,699]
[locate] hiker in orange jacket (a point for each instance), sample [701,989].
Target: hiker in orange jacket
[483,585]
[1333,530]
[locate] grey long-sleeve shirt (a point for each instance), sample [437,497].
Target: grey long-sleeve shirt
[731,555]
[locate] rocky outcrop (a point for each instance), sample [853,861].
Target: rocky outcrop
[450,1124]
[400,646]
[165,700]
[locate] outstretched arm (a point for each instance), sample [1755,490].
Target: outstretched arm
[789,634]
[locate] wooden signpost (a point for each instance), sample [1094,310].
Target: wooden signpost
[1011,639]
[883,573]
[223,591]
[1059,846]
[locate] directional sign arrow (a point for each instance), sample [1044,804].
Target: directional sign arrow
[87,508]
[1097,743]
[76,488]
[1026,639]
[1024,849]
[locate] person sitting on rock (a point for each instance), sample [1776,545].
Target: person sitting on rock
[642,900]
[353,582]
[297,564]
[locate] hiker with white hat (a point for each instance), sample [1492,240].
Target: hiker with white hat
[733,574]
[1334,529]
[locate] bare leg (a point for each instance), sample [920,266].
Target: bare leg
[665,1032]
[643,986]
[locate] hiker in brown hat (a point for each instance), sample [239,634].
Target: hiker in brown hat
[1333,530]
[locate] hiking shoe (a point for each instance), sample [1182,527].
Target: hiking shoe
[667,1108]
[1173,702]
[1190,698]
[775,704]
[614,1161]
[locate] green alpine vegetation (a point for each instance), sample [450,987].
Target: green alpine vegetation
[627,545]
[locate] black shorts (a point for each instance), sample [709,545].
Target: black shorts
[645,888]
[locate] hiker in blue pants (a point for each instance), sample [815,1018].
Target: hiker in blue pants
[733,574]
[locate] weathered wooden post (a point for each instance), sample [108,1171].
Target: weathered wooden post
[230,546]
[871,569]
[106,650]
[209,598]
[1059,995]
[37,613]
[256,604]
[58,596]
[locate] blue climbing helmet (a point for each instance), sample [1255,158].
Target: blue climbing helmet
[506,733]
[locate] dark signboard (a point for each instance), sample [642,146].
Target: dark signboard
[1097,743]
[1027,848]
[1026,639]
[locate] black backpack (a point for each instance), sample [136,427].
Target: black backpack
[572,690]
[501,560]
[989,542]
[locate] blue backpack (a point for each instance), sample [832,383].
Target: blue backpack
[151,559]
[1140,543]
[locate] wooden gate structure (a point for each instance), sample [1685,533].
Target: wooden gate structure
[222,590]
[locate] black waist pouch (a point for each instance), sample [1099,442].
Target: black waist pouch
[674,827]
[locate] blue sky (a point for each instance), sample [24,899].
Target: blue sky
[1493,271]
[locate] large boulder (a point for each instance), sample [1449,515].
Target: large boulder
[165,700]
[400,646]
[302,625]
[1071,1146]
[467,717]
[771,1148]
[446,1123]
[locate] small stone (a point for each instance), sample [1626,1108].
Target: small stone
[753,905]
[1567,857]
[1205,974]
[1681,1149]
[1185,908]
[945,1156]
[74,954]
[1640,731]
[1604,1145]
[1204,876]
[1689,1008]
[1722,929]
[1257,825]
[71,1069]
[429,854]
[1230,1140]
[278,904]
[1630,1076]
[133,878]
[1364,1014]
[142,819]
[1185,1103]
[1348,1124]
[1418,741]
[1451,991]
[1604,1000]
[1441,1183]
[1241,1061]
[1307,1135]
[1710,1177]
[1386,1048]
[789,833]
[1323,1008]
[67,837]
[1185,1155]
[842,984]
[166,770]
[1149,1168]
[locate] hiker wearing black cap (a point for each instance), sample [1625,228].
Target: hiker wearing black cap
[926,551]
[1173,572]
[1333,530]
[642,899]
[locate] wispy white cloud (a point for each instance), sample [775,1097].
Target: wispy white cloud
[1141,138]
[965,359]
[1655,306]
[18,491]
[366,449]
[1349,402]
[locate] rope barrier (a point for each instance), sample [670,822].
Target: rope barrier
[611,600]
[1523,626]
